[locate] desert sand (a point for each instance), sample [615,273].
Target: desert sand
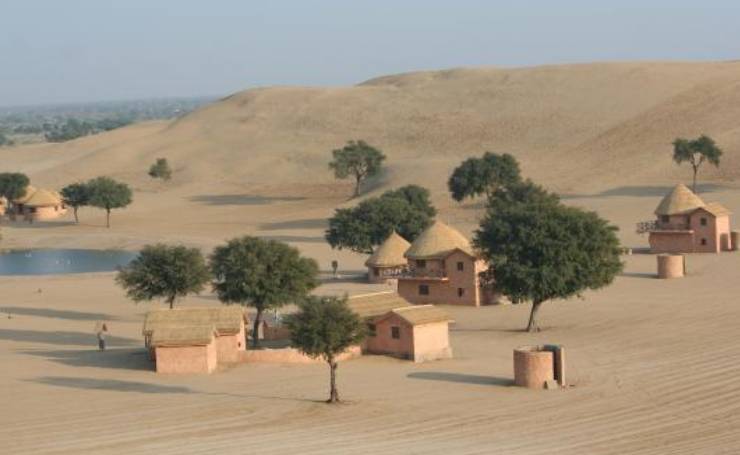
[652,363]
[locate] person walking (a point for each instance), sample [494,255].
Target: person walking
[100,331]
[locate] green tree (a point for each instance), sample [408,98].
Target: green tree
[263,274]
[357,159]
[540,250]
[76,195]
[369,223]
[323,328]
[161,170]
[164,272]
[695,152]
[13,185]
[477,176]
[108,194]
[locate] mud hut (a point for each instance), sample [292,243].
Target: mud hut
[388,259]
[185,350]
[41,205]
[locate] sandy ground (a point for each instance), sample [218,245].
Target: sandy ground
[653,364]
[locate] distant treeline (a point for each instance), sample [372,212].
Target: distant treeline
[59,123]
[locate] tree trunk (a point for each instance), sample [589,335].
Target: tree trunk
[77,220]
[693,185]
[107,218]
[532,326]
[358,182]
[333,394]
[255,329]
[171,301]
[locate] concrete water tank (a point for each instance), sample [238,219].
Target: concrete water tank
[533,366]
[671,266]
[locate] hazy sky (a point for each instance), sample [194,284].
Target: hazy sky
[85,50]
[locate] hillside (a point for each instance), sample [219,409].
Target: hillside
[571,126]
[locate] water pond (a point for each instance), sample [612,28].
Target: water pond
[61,261]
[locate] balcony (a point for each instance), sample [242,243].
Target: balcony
[653,226]
[421,274]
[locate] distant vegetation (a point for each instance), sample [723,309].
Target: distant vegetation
[479,176]
[406,210]
[59,123]
[357,160]
[161,170]
[695,152]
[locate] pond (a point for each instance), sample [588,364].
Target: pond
[62,261]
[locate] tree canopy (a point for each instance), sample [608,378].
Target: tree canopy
[477,176]
[406,210]
[540,250]
[263,274]
[161,170]
[13,185]
[76,195]
[695,152]
[164,272]
[323,328]
[357,159]
[108,194]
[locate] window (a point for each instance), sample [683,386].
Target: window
[395,332]
[703,241]
[421,263]
[703,221]
[376,272]
[423,289]
[371,330]
[460,292]
[460,266]
[664,218]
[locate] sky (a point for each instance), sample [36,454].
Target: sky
[63,51]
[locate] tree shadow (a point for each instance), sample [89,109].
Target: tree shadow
[120,359]
[308,223]
[345,278]
[37,224]
[293,238]
[639,275]
[62,338]
[108,384]
[461,378]
[241,199]
[643,191]
[57,314]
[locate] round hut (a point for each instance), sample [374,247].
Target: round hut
[41,205]
[388,259]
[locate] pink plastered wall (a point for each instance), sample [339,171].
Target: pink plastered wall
[186,359]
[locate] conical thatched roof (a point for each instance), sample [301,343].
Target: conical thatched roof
[30,190]
[390,252]
[679,201]
[43,198]
[437,241]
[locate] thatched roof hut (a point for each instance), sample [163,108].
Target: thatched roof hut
[43,198]
[201,335]
[226,320]
[376,304]
[422,314]
[390,253]
[30,190]
[438,241]
[681,200]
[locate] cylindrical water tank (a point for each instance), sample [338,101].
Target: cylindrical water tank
[533,366]
[671,266]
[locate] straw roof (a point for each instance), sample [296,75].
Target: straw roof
[716,209]
[679,201]
[390,252]
[438,241]
[376,304]
[200,335]
[43,198]
[225,320]
[421,314]
[30,189]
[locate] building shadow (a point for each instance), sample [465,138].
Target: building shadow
[639,275]
[108,384]
[62,338]
[461,378]
[119,359]
[241,199]
[57,314]
[308,223]
[643,191]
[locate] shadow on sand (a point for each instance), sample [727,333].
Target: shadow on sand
[109,384]
[308,223]
[642,191]
[327,278]
[119,359]
[293,238]
[461,378]
[56,314]
[62,338]
[639,275]
[240,199]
